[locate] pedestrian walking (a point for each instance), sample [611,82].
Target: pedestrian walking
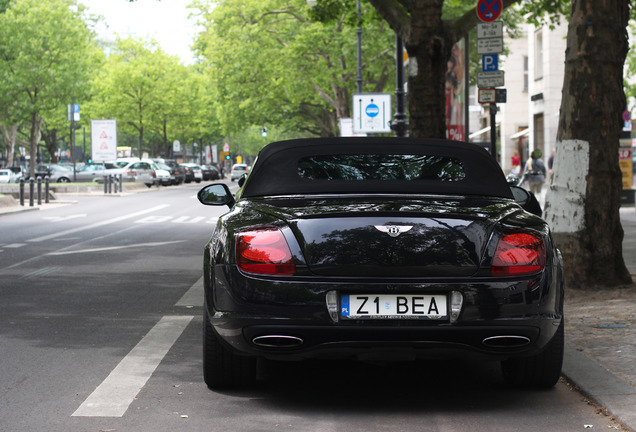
[534,172]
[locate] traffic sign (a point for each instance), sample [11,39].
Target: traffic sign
[490,29]
[490,79]
[372,113]
[487,95]
[489,10]
[490,62]
[490,45]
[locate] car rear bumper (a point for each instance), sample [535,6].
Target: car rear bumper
[270,339]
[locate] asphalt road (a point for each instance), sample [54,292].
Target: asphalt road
[100,330]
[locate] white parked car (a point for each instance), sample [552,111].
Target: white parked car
[238,171]
[6,176]
[139,171]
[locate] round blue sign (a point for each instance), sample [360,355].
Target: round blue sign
[372,110]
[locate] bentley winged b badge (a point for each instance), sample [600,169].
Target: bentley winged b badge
[393,230]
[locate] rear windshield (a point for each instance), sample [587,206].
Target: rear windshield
[374,165]
[408,167]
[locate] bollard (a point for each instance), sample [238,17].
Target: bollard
[31,191]
[121,182]
[46,189]
[22,192]
[39,190]
[110,183]
[105,184]
[115,184]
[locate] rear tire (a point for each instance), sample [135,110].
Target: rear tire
[540,371]
[222,369]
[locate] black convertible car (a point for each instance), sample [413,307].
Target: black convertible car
[380,249]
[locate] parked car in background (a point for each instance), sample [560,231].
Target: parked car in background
[6,176]
[12,175]
[139,171]
[17,173]
[238,171]
[165,174]
[192,172]
[56,173]
[90,172]
[210,172]
[177,170]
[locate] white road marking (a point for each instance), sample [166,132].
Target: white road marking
[155,244]
[98,224]
[194,296]
[14,245]
[42,272]
[63,218]
[115,394]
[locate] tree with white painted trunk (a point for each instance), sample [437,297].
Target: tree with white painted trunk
[583,200]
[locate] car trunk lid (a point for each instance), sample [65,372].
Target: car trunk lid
[420,238]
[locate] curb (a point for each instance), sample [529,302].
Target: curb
[601,386]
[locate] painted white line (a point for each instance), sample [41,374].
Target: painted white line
[156,244]
[14,245]
[63,218]
[98,224]
[194,296]
[115,394]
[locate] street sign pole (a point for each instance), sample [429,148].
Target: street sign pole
[493,130]
[72,136]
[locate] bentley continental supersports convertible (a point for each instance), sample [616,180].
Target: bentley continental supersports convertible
[380,249]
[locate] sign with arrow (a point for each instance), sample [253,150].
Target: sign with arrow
[372,113]
[489,10]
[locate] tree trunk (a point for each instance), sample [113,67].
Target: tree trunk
[429,49]
[9,140]
[584,196]
[34,140]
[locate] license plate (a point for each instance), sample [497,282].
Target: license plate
[393,306]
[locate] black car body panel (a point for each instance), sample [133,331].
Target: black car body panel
[367,241]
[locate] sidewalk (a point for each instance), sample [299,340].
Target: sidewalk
[600,354]
[600,349]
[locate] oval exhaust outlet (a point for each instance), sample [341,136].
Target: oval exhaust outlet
[506,341]
[277,341]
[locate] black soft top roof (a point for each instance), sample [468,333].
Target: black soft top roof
[276,169]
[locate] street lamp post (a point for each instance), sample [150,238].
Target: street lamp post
[399,124]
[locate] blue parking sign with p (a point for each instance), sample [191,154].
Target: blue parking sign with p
[490,62]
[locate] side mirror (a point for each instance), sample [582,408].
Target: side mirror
[217,194]
[527,200]
[241,180]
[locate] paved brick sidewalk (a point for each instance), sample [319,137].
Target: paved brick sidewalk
[599,330]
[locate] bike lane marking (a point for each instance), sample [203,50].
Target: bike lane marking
[115,394]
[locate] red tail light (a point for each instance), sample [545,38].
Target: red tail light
[264,251]
[518,254]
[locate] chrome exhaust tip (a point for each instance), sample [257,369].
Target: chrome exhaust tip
[506,341]
[277,341]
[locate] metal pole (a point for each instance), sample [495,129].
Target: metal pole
[46,189]
[493,130]
[73,136]
[22,192]
[400,124]
[39,190]
[359,33]
[31,191]
[84,141]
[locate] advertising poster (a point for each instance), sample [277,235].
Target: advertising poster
[455,93]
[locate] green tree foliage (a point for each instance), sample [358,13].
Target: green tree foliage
[46,53]
[271,65]
[138,86]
